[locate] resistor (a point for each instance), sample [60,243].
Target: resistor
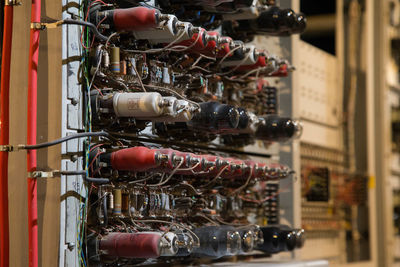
[117,201]
[132,66]
[166,78]
[125,202]
[115,60]
[106,59]
[123,67]
[110,199]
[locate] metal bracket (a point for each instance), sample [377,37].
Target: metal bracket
[12,3]
[6,148]
[44,25]
[42,174]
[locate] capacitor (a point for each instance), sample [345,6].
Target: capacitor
[166,78]
[138,105]
[122,67]
[261,63]
[110,199]
[115,61]
[142,245]
[130,19]
[117,201]
[125,202]
[106,59]
[134,159]
[132,66]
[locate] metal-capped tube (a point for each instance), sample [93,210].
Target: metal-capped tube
[137,105]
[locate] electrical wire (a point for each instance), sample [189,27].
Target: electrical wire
[87,24]
[67,138]
[173,92]
[169,177]
[243,186]
[216,177]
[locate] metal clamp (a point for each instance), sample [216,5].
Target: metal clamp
[6,148]
[42,174]
[44,25]
[12,3]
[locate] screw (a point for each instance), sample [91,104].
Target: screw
[71,245]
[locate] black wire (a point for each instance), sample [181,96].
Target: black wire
[87,179]
[67,138]
[87,24]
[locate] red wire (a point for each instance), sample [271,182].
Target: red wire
[31,134]
[98,90]
[86,17]
[4,135]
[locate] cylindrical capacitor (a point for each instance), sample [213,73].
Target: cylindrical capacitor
[106,59]
[280,129]
[142,245]
[117,201]
[166,77]
[138,105]
[115,61]
[132,66]
[130,19]
[110,202]
[134,159]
